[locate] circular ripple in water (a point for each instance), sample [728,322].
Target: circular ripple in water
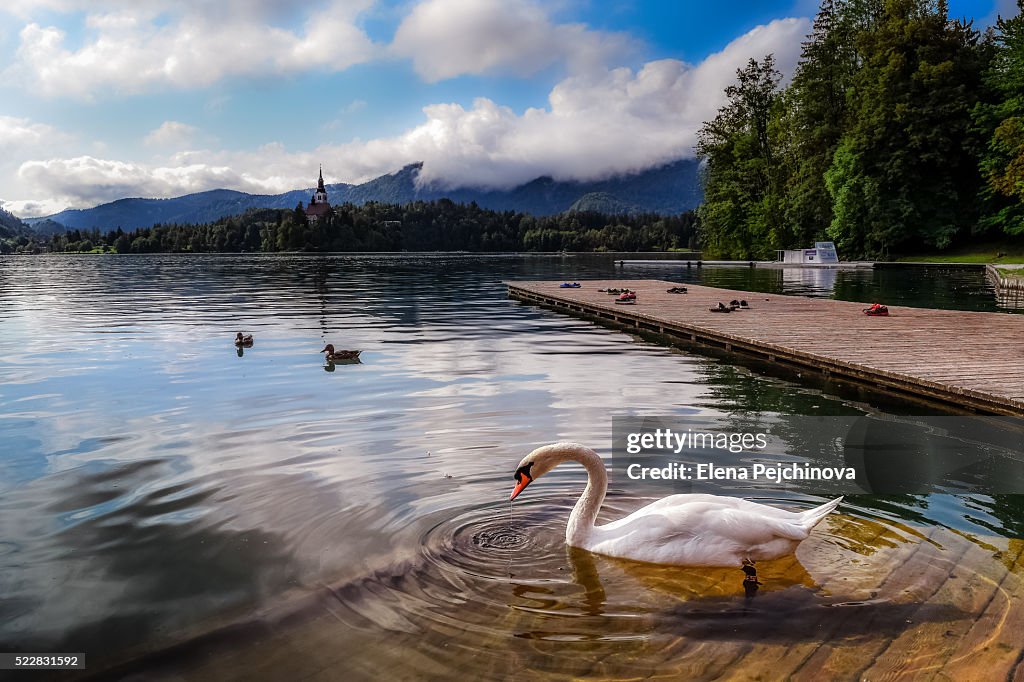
[500,538]
[490,597]
[485,589]
[489,544]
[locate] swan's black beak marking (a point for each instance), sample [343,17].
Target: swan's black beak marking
[523,479]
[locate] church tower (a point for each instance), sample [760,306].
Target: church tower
[318,205]
[321,194]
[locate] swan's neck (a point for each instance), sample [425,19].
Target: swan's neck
[584,514]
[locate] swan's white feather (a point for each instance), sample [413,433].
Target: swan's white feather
[700,530]
[689,530]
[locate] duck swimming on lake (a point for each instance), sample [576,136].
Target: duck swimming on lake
[243,341]
[333,355]
[683,530]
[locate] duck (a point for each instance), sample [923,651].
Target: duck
[682,530]
[333,355]
[243,341]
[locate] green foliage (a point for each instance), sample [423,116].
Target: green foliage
[418,226]
[903,175]
[876,142]
[742,180]
[1001,121]
[11,226]
[812,123]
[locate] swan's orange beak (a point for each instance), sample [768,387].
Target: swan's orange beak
[524,481]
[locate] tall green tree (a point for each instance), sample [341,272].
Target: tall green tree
[742,189]
[1002,123]
[815,113]
[903,175]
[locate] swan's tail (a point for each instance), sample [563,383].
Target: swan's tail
[810,518]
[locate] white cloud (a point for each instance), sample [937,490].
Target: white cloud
[85,180]
[158,44]
[171,134]
[31,208]
[448,38]
[20,133]
[597,124]
[21,138]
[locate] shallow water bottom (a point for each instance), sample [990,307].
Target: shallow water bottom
[860,600]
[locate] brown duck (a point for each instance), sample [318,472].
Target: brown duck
[339,354]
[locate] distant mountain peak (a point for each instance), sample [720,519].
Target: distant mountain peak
[668,189]
[603,202]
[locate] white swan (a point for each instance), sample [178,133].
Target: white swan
[685,530]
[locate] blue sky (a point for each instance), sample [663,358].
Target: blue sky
[103,99]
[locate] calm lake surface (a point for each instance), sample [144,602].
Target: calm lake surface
[156,485]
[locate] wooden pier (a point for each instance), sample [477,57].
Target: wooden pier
[968,360]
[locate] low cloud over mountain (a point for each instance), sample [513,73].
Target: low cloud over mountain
[669,189]
[599,123]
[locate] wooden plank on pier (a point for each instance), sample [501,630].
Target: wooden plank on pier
[973,360]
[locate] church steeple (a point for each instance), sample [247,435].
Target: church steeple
[318,205]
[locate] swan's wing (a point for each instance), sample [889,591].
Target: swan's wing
[690,516]
[703,530]
[750,526]
[668,519]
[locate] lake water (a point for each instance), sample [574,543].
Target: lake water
[158,487]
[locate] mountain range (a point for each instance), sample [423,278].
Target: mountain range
[668,189]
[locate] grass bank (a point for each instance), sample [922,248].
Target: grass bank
[976,253]
[1011,273]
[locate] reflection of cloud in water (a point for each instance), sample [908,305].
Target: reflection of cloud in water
[124,564]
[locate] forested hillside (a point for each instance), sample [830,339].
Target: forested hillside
[669,189]
[417,226]
[11,226]
[901,131]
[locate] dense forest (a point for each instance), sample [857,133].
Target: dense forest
[441,225]
[901,131]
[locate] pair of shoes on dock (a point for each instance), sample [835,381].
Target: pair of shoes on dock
[616,292]
[569,285]
[626,298]
[877,310]
[733,305]
[676,290]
